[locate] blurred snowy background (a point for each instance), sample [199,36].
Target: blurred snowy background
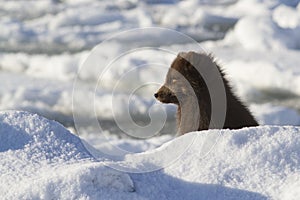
[43,43]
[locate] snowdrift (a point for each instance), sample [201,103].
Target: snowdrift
[40,159]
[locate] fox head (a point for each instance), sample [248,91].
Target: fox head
[184,77]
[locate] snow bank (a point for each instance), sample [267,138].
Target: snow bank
[49,162]
[41,159]
[264,160]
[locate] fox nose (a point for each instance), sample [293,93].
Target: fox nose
[156,95]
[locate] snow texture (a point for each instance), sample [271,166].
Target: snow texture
[42,160]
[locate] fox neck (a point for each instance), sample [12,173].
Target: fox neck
[194,113]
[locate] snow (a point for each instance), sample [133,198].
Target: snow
[287,17]
[47,161]
[94,66]
[251,163]
[272,115]
[264,158]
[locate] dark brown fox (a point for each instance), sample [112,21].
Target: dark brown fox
[188,84]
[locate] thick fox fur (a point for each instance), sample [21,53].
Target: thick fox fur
[185,87]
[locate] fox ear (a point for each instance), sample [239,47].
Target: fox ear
[189,59]
[200,60]
[189,56]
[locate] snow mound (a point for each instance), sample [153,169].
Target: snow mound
[250,163]
[40,138]
[48,162]
[264,160]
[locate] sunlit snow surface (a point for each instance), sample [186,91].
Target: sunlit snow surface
[44,47]
[42,160]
